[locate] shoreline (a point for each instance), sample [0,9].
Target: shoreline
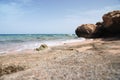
[31,46]
[100,57]
[18,42]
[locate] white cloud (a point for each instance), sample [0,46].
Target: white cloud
[27,13]
[11,8]
[10,13]
[91,16]
[24,1]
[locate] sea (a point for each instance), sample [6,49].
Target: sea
[19,42]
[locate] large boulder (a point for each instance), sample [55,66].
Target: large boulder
[111,21]
[101,31]
[110,27]
[86,30]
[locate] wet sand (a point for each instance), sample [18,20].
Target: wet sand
[88,60]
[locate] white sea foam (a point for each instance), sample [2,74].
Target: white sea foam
[19,42]
[33,45]
[19,46]
[74,40]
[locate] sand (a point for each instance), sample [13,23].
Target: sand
[97,59]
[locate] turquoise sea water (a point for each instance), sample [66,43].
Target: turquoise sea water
[11,42]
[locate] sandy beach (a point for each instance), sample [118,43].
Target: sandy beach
[59,40]
[97,59]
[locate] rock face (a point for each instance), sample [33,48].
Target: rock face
[86,30]
[111,21]
[108,28]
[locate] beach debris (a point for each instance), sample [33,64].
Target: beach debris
[42,47]
[110,27]
[11,68]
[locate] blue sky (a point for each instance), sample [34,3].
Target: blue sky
[51,16]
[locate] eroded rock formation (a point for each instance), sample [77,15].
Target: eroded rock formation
[111,21]
[109,27]
[86,30]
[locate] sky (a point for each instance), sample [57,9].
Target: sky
[51,16]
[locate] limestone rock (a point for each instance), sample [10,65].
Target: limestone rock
[111,21]
[86,30]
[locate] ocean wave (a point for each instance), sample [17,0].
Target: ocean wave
[11,41]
